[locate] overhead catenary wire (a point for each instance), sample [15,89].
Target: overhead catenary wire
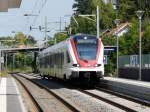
[39,10]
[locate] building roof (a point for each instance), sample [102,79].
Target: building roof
[6,4]
[115,31]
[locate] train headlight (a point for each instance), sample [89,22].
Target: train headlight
[97,65]
[75,65]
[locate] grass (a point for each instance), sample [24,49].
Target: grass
[3,73]
[23,69]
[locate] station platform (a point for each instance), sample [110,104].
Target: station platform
[10,98]
[135,88]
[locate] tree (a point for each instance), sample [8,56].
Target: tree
[60,37]
[128,8]
[129,42]
[30,41]
[107,15]
[7,41]
[111,40]
[82,6]
[146,39]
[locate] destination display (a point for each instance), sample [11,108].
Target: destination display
[86,41]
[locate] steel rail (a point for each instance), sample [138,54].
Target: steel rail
[107,101]
[38,107]
[65,102]
[134,99]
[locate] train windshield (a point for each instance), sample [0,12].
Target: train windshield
[86,47]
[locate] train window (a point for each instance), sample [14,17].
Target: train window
[53,60]
[56,61]
[45,63]
[68,57]
[62,59]
[40,62]
[59,60]
[86,47]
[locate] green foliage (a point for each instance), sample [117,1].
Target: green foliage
[22,60]
[60,37]
[84,26]
[127,8]
[20,38]
[17,40]
[82,6]
[7,41]
[146,39]
[51,42]
[126,12]
[111,66]
[107,15]
[30,41]
[129,42]
[111,41]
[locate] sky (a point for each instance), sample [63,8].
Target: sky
[15,21]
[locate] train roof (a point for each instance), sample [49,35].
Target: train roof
[64,43]
[84,35]
[54,47]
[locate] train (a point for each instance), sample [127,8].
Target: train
[78,57]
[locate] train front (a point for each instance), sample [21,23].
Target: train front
[87,53]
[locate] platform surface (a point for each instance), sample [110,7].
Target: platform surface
[135,88]
[129,81]
[10,98]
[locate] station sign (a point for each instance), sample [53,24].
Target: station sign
[105,60]
[2,59]
[133,60]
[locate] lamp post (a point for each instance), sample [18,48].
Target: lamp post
[117,21]
[140,13]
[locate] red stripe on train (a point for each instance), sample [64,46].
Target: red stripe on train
[74,49]
[98,50]
[86,63]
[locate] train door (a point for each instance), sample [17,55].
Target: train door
[62,64]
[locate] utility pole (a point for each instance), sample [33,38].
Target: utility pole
[13,66]
[6,61]
[46,30]
[60,24]
[140,13]
[98,29]
[117,21]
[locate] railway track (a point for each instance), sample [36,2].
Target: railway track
[137,100]
[125,108]
[35,107]
[58,103]
[120,104]
[123,103]
[117,91]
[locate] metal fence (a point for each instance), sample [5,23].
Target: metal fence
[133,61]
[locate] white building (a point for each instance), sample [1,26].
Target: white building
[119,31]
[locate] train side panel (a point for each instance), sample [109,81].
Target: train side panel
[79,56]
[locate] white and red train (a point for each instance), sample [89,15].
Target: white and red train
[78,57]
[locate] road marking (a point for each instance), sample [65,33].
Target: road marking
[3,95]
